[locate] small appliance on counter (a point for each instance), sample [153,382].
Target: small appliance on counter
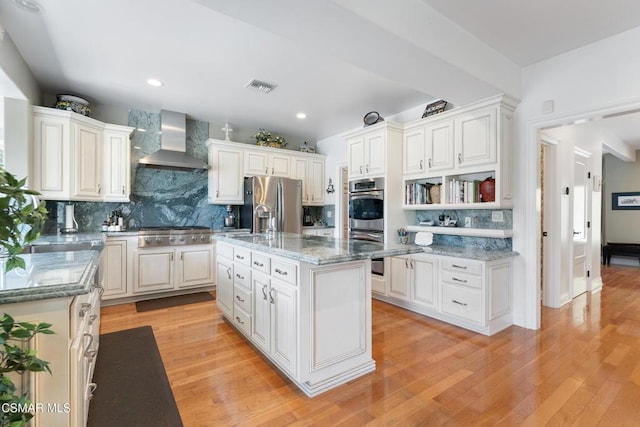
[70,224]
[307,220]
[230,219]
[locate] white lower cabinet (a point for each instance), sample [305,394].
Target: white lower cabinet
[114,267]
[312,321]
[473,294]
[71,351]
[163,269]
[224,281]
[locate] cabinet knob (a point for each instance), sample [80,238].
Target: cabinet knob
[366,168]
[123,190]
[459,158]
[420,164]
[99,189]
[429,163]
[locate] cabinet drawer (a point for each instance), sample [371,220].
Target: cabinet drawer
[461,279]
[462,302]
[462,265]
[260,262]
[242,299]
[242,255]
[283,271]
[242,321]
[224,250]
[242,276]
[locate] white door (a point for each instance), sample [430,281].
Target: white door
[580,195]
[374,159]
[224,286]
[283,325]
[195,267]
[153,270]
[261,319]
[413,153]
[399,277]
[356,157]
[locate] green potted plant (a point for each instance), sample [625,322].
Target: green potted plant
[17,356]
[265,139]
[21,219]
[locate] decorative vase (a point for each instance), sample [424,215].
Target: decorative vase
[434,192]
[488,190]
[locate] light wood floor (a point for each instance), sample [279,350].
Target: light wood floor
[581,368]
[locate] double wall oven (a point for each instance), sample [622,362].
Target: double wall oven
[366,214]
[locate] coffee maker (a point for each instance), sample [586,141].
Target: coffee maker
[306,216]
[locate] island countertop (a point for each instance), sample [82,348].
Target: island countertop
[318,250]
[50,275]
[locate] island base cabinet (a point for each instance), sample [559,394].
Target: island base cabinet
[335,344]
[224,286]
[312,321]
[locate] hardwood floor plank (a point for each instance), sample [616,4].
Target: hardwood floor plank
[581,368]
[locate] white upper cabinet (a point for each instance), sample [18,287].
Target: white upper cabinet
[440,146]
[258,162]
[310,170]
[369,150]
[457,150]
[476,138]
[69,156]
[117,163]
[226,179]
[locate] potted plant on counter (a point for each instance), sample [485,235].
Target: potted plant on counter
[22,217]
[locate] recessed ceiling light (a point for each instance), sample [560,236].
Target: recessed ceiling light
[29,5]
[301,115]
[154,82]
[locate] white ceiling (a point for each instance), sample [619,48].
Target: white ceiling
[334,60]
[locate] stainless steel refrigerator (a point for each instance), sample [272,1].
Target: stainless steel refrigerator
[282,196]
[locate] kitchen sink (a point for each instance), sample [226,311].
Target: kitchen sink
[63,247]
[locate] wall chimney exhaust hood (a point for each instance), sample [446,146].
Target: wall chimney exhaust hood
[173,145]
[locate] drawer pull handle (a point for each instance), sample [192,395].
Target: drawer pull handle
[84,309]
[264,292]
[229,272]
[271,296]
[464,267]
[239,321]
[259,264]
[91,388]
[459,280]
[100,291]
[239,276]
[239,257]
[420,164]
[459,303]
[239,299]
[92,318]
[283,273]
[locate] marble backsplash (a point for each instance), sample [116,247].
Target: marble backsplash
[158,196]
[480,218]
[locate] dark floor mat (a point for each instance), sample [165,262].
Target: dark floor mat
[155,304]
[133,389]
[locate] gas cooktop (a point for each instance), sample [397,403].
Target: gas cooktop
[173,235]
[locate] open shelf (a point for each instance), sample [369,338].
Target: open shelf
[462,231]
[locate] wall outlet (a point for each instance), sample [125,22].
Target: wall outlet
[497,216]
[329,214]
[467,221]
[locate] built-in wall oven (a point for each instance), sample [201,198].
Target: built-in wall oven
[366,214]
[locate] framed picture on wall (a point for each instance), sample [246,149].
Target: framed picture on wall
[625,201]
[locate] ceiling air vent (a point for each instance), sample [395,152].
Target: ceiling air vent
[261,86]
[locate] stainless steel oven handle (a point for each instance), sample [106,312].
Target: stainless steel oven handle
[377,194]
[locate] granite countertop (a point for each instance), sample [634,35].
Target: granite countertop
[63,239]
[318,250]
[469,252]
[50,275]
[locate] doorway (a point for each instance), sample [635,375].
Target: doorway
[580,218]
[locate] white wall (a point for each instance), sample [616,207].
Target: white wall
[596,79]
[16,69]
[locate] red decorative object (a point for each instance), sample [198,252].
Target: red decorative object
[488,190]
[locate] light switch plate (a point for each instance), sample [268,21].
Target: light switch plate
[467,221]
[497,216]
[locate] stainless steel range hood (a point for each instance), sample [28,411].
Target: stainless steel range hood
[173,145]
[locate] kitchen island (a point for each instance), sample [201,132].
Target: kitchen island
[63,289]
[303,301]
